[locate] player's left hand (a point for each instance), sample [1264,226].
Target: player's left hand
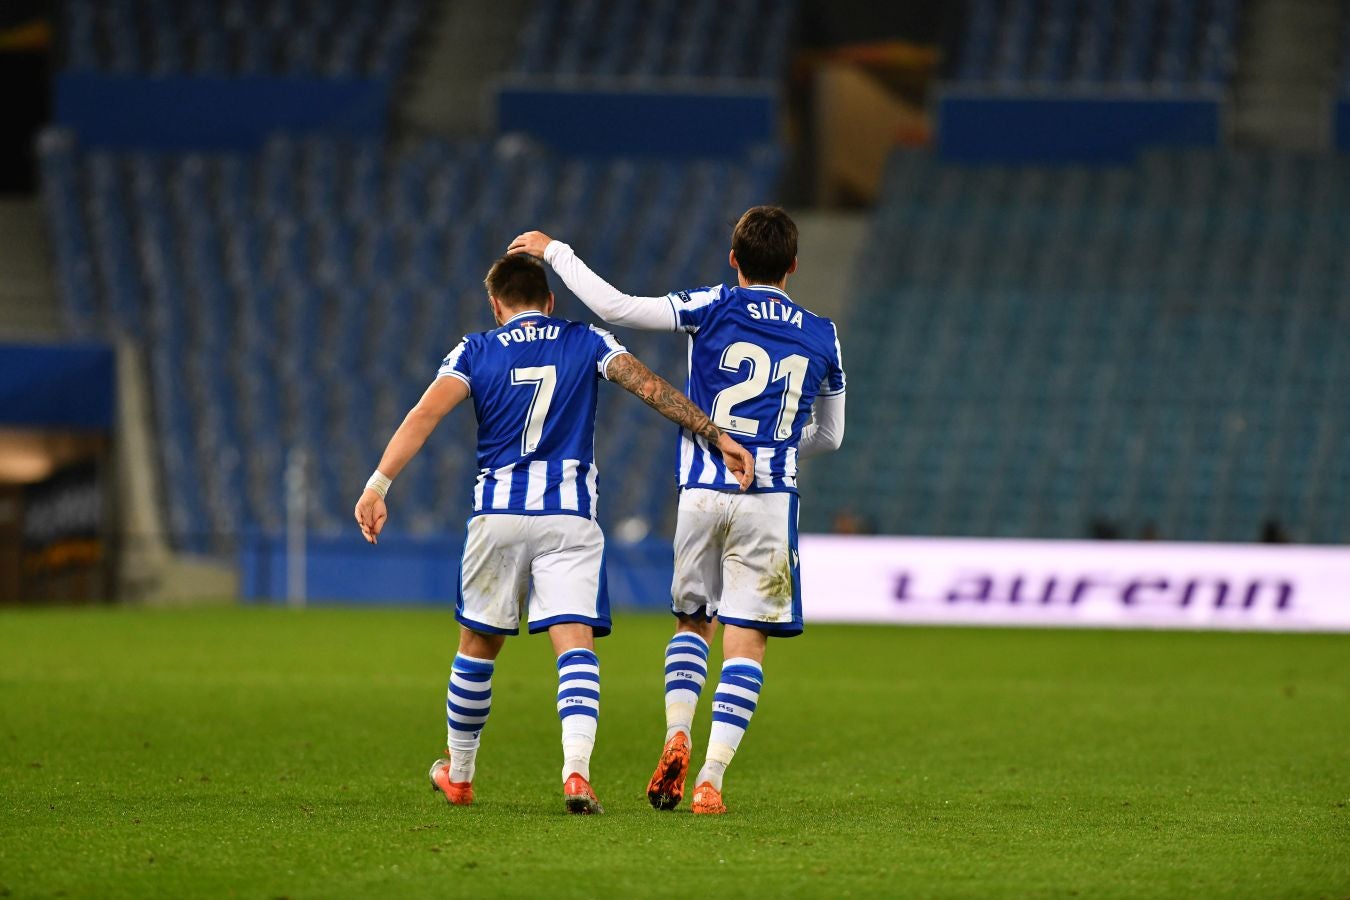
[531,242]
[739,460]
[371,515]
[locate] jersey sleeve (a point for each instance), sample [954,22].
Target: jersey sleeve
[458,363]
[605,300]
[692,307]
[834,380]
[825,431]
[607,347]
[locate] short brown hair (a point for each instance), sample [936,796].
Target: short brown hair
[765,244]
[517,280]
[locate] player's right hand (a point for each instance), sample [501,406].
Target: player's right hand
[531,242]
[371,515]
[740,462]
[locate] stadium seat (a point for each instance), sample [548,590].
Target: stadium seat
[1137,45]
[1160,347]
[226,38]
[302,298]
[656,40]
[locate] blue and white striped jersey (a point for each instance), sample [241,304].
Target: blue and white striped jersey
[533,383]
[757,362]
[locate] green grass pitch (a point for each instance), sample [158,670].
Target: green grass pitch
[269,753]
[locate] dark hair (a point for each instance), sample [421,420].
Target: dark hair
[765,244]
[517,280]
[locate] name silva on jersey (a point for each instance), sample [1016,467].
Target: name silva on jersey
[775,312]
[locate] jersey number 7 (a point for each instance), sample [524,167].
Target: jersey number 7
[544,379]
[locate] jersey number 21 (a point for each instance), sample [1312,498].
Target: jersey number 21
[790,369]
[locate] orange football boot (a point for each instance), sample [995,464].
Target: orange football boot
[708,800]
[666,789]
[458,793]
[579,798]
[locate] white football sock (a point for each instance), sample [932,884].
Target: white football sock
[733,704]
[686,670]
[578,708]
[468,700]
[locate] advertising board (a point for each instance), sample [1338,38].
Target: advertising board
[1099,584]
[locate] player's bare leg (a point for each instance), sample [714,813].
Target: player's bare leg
[468,701]
[579,710]
[733,704]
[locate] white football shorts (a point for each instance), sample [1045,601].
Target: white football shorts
[549,569]
[736,558]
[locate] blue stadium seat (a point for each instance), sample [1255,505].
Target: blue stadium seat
[302,298]
[225,38]
[1161,346]
[1140,45]
[652,40]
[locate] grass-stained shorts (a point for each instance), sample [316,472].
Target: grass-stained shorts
[736,559]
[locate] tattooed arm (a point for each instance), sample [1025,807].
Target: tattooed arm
[627,371]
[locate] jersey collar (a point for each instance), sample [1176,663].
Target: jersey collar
[526,314]
[770,289]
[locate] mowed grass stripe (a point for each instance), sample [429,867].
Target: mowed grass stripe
[255,752]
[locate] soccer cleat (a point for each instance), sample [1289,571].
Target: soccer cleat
[666,789]
[579,798]
[458,793]
[708,800]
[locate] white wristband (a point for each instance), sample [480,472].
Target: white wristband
[379,483]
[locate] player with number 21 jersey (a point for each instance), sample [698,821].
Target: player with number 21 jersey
[756,362]
[770,372]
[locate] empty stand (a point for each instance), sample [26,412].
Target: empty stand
[1073,45]
[1165,347]
[304,38]
[303,298]
[650,40]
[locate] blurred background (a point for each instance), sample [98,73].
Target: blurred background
[1087,259]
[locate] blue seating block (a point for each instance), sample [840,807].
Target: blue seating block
[1136,45]
[224,38]
[302,299]
[651,40]
[1162,346]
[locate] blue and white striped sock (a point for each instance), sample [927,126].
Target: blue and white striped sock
[578,708]
[468,700]
[733,705]
[686,670]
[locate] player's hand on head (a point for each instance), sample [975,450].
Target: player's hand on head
[740,462]
[371,514]
[531,242]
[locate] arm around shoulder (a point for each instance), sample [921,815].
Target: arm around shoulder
[601,297]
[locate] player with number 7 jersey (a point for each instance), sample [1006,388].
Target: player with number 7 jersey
[533,548]
[770,372]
